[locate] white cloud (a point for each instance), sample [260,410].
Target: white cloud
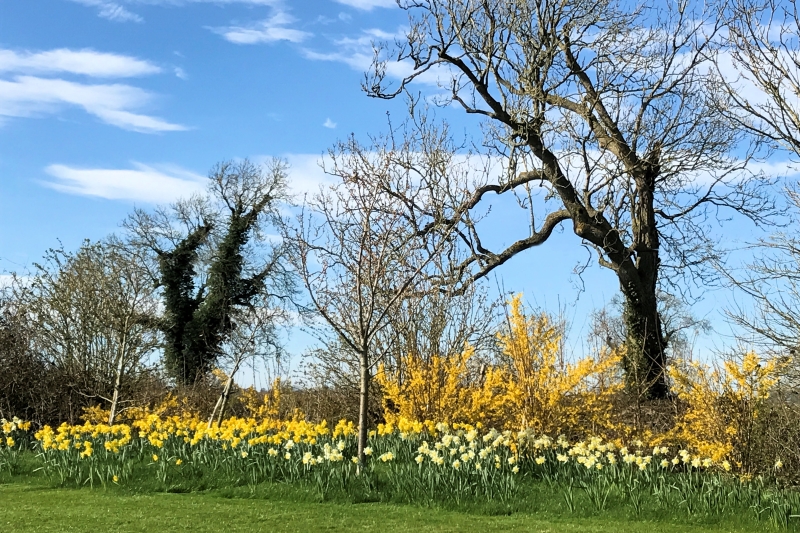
[329,123]
[85,62]
[154,184]
[29,94]
[184,2]
[114,104]
[111,11]
[114,10]
[358,53]
[305,173]
[368,5]
[272,29]
[268,30]
[180,73]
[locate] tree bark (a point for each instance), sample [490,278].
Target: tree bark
[118,378]
[222,401]
[644,359]
[363,406]
[226,393]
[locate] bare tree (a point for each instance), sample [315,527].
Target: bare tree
[356,255]
[426,322]
[604,114]
[91,313]
[761,69]
[429,321]
[763,86]
[26,384]
[770,282]
[255,338]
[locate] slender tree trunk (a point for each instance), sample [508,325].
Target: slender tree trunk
[118,379]
[222,401]
[216,408]
[225,395]
[363,405]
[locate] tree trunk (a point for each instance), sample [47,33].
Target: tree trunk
[118,379]
[645,357]
[645,361]
[216,408]
[222,401]
[363,406]
[226,393]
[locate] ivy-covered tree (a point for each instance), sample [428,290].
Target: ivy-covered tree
[212,259]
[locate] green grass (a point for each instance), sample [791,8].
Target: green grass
[35,507]
[29,503]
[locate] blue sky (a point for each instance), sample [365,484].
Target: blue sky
[109,104]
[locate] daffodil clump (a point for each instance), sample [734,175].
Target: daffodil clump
[14,437]
[12,430]
[258,450]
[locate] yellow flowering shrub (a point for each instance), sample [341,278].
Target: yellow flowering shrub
[170,405]
[95,414]
[722,404]
[531,387]
[262,406]
[427,390]
[546,393]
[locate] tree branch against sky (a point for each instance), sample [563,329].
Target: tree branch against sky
[355,253]
[763,86]
[611,115]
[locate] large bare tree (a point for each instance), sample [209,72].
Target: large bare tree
[604,115]
[761,69]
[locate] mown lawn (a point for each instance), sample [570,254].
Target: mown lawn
[35,507]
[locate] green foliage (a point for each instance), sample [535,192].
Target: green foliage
[198,320]
[177,269]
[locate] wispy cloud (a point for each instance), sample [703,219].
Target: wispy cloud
[24,92]
[153,184]
[358,53]
[111,11]
[355,52]
[368,5]
[25,96]
[329,123]
[272,29]
[84,62]
[116,11]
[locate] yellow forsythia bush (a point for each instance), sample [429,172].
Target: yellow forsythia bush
[530,387]
[262,406]
[722,404]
